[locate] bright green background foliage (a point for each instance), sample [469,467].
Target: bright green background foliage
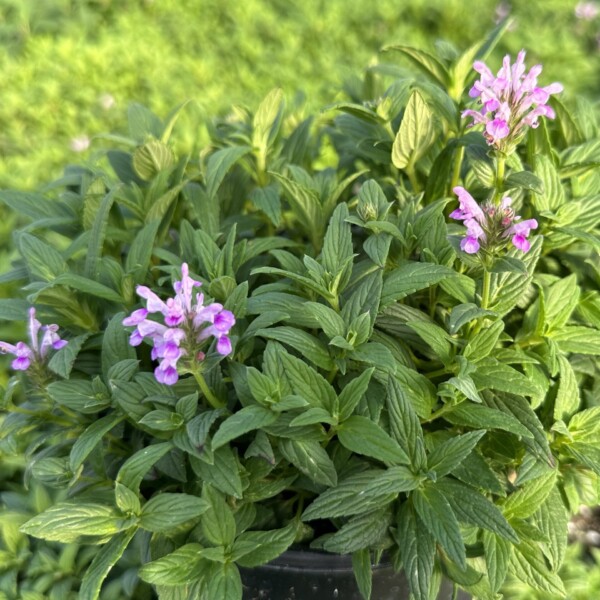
[64,55]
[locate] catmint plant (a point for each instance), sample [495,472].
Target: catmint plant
[336,369]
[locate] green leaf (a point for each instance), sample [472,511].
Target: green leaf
[307,383]
[353,393]
[337,246]
[469,415]
[218,523]
[416,133]
[465,385]
[527,564]
[312,416]
[577,339]
[151,158]
[492,374]
[97,235]
[404,423]
[361,565]
[329,320]
[115,344]
[484,341]
[180,567]
[67,521]
[528,499]
[524,180]
[33,204]
[310,458]
[561,299]
[103,562]
[435,511]
[13,309]
[509,264]
[166,511]
[223,473]
[128,502]
[473,508]
[347,498]
[363,436]
[224,581]
[417,551]
[88,286]
[267,200]
[246,419]
[359,532]
[43,261]
[465,313]
[62,362]
[219,164]
[267,120]
[309,346]
[567,396]
[142,122]
[498,551]
[411,277]
[426,62]
[254,548]
[78,395]
[132,471]
[552,519]
[435,337]
[553,195]
[90,438]
[448,455]
[140,251]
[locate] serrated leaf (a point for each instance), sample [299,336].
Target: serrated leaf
[552,518]
[465,313]
[219,164]
[527,564]
[363,436]
[577,339]
[43,261]
[132,471]
[492,374]
[62,362]
[473,508]
[416,133]
[243,421]
[449,454]
[267,119]
[223,473]
[337,245]
[97,235]
[404,423]
[263,546]
[166,511]
[435,337]
[310,458]
[567,396]
[68,521]
[177,568]
[102,563]
[435,511]
[361,531]
[524,180]
[140,251]
[90,438]
[498,551]
[423,60]
[484,417]
[410,278]
[417,550]
[88,286]
[527,500]
[484,341]
[352,394]
[218,523]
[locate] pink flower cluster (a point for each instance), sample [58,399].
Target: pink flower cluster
[186,326]
[491,225]
[511,100]
[37,350]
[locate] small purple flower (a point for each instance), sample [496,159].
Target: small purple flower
[491,225]
[37,351]
[586,11]
[187,324]
[510,101]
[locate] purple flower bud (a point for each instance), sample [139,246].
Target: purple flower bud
[470,245]
[224,345]
[166,373]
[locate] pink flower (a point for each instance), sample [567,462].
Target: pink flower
[510,101]
[37,350]
[491,225]
[187,323]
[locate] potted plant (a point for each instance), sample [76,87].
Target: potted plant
[372,335]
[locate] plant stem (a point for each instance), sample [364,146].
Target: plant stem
[412,177]
[206,391]
[438,413]
[460,153]
[485,292]
[499,185]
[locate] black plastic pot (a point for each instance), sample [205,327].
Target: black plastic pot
[304,575]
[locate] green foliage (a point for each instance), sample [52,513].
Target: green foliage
[384,389]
